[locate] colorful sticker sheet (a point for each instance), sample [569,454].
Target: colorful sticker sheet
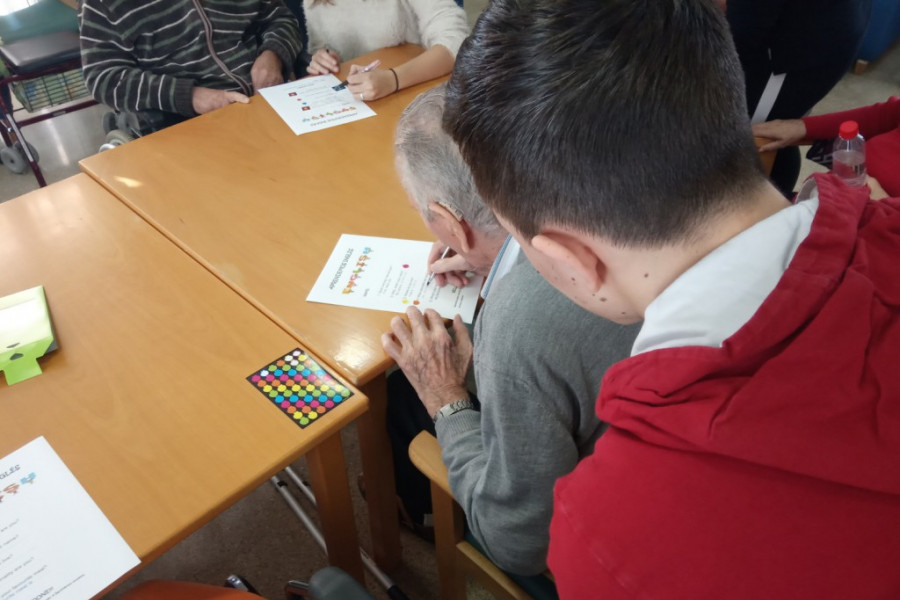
[300,387]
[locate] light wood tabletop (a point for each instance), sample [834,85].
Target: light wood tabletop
[262,208]
[146,399]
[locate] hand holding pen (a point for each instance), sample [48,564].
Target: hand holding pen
[368,83]
[446,266]
[365,69]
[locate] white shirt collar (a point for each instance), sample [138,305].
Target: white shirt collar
[709,302]
[503,264]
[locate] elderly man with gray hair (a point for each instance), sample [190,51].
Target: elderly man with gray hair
[537,366]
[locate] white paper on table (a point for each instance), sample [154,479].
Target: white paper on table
[311,104]
[389,274]
[54,541]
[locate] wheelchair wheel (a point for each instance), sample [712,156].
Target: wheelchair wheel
[13,159]
[109,122]
[34,152]
[116,138]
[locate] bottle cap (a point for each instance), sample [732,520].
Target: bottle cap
[849,130]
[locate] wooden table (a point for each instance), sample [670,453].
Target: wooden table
[262,208]
[146,399]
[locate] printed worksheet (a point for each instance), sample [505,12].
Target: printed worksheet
[391,275]
[312,104]
[54,541]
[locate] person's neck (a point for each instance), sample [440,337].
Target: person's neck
[642,274]
[488,246]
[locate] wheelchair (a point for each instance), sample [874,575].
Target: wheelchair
[122,127]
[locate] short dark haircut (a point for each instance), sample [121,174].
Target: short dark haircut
[621,118]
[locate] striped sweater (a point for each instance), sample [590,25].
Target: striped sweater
[149,54]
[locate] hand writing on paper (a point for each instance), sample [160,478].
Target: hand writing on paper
[434,362]
[324,61]
[370,85]
[451,269]
[206,99]
[266,70]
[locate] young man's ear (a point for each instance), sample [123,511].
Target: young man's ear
[573,258]
[455,227]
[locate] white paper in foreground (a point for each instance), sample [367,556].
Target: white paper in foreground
[54,541]
[310,104]
[389,274]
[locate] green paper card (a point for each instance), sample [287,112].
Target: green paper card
[25,334]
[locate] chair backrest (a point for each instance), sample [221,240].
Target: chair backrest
[41,18]
[458,557]
[767,158]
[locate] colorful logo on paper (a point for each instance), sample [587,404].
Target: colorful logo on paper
[10,490]
[357,272]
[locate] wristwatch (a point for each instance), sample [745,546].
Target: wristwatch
[453,408]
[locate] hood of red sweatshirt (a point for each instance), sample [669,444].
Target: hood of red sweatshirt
[811,383]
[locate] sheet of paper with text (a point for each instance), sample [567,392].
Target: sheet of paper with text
[389,274]
[54,541]
[310,104]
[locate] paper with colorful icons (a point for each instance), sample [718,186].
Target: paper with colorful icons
[300,387]
[56,542]
[391,275]
[25,334]
[311,104]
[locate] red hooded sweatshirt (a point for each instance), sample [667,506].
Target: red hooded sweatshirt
[768,468]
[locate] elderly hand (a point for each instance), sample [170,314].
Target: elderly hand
[206,99]
[324,61]
[782,133]
[451,269]
[370,85]
[266,70]
[432,360]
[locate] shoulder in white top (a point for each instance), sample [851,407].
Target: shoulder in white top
[356,27]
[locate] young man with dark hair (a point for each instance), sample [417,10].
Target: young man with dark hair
[755,430]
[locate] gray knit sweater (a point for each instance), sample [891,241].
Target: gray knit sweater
[142,54]
[539,360]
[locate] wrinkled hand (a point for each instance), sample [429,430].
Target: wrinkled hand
[266,70]
[324,61]
[206,99]
[782,133]
[371,85]
[432,360]
[452,269]
[876,192]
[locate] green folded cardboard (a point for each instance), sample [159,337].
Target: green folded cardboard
[26,334]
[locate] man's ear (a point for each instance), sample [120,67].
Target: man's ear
[458,229]
[573,257]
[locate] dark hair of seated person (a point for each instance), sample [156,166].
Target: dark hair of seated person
[611,116]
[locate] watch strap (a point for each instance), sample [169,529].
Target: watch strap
[453,408]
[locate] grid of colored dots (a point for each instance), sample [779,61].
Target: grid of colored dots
[300,387]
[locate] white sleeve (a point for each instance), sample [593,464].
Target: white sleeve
[440,22]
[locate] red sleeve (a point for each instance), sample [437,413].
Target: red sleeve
[873,120]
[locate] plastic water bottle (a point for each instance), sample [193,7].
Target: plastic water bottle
[849,159]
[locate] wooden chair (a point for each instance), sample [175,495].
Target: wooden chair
[457,559]
[767,158]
